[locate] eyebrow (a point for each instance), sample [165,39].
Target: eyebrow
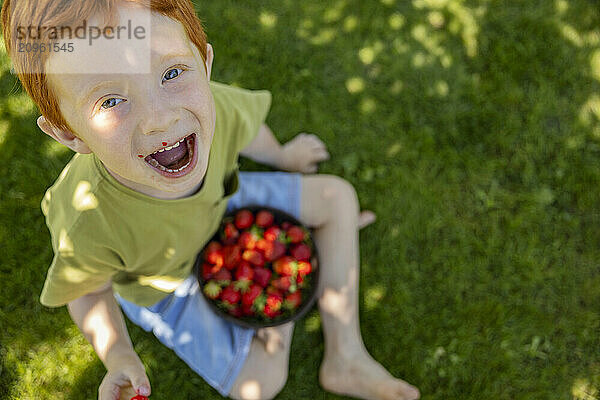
[165,57]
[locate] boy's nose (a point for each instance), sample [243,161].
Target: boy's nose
[159,120]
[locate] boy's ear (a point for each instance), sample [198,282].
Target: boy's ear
[64,137]
[209,59]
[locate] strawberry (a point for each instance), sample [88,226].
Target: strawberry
[282,283]
[285,265]
[270,311]
[262,276]
[271,250]
[214,254]
[292,300]
[304,267]
[247,240]
[222,276]
[139,397]
[276,251]
[230,295]
[264,219]
[300,252]
[249,297]
[274,301]
[236,311]
[254,257]
[243,219]
[300,280]
[285,225]
[244,271]
[230,231]
[231,256]
[295,233]
[247,309]
[274,291]
[212,290]
[207,271]
[272,233]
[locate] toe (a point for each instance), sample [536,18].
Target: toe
[366,218]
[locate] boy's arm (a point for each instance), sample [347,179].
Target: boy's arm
[301,154]
[100,319]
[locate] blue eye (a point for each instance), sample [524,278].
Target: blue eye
[110,103]
[172,73]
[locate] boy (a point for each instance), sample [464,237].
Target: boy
[155,169]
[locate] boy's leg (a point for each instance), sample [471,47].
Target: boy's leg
[264,374]
[330,205]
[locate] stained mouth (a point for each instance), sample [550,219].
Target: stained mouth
[175,158]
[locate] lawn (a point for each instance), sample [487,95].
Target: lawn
[472,129]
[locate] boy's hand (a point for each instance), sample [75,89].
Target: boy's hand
[124,383]
[303,153]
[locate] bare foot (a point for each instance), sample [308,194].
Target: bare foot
[366,218]
[365,378]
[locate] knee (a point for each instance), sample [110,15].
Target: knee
[255,389]
[340,194]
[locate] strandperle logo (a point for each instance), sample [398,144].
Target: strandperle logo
[82,32]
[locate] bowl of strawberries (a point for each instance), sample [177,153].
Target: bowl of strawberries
[260,268]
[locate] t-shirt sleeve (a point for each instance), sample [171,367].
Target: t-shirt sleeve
[79,267]
[242,111]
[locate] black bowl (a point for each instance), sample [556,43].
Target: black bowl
[308,296]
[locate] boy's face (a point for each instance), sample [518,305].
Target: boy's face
[131,116]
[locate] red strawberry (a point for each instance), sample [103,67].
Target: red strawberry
[212,289]
[264,219]
[236,311]
[285,225]
[274,291]
[207,271]
[304,267]
[230,231]
[247,240]
[300,280]
[243,219]
[295,233]
[270,312]
[249,297]
[254,257]
[300,252]
[222,275]
[283,283]
[244,271]
[271,250]
[272,233]
[231,256]
[139,397]
[247,310]
[262,276]
[274,301]
[230,295]
[214,253]
[285,265]
[293,300]
[276,251]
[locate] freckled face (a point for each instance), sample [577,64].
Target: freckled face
[126,118]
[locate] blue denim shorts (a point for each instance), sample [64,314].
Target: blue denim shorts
[213,347]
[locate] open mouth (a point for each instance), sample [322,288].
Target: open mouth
[176,160]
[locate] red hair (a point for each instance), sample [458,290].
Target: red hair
[63,13]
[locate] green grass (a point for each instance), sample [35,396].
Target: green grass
[472,129]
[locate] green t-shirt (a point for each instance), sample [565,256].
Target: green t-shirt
[104,230]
